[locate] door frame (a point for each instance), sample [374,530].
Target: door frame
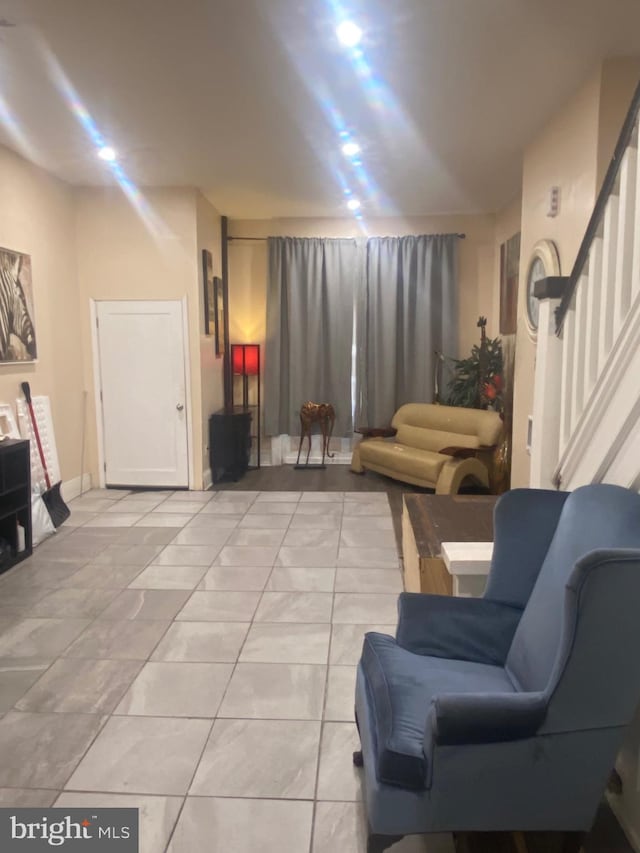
[97,383]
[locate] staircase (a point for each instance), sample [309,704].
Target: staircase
[586,412]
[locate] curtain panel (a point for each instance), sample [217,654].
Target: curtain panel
[407,312]
[308,352]
[399,295]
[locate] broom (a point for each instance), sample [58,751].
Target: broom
[57,508]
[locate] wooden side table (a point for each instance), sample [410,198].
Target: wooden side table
[430,520]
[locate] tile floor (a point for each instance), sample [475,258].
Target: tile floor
[193,654]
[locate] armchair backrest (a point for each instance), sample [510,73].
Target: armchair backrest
[521,516]
[594,518]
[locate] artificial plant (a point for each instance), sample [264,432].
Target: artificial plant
[478,381]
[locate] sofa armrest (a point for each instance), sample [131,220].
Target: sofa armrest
[472,629]
[467,718]
[467,452]
[376,432]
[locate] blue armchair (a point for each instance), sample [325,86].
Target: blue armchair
[506,712]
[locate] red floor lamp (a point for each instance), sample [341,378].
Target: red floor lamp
[245,366]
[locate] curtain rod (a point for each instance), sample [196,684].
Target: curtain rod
[231,237]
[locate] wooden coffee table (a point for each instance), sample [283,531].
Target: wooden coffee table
[430,520]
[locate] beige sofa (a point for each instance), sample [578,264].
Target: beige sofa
[436,447]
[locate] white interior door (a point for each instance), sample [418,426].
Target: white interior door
[142,379]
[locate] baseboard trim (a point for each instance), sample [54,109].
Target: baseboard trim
[72,488]
[207,479]
[315,459]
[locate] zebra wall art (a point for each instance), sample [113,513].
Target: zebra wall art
[17,332]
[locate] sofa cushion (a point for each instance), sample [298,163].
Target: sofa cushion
[401,686]
[424,464]
[485,425]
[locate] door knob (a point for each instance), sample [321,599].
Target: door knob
[179,407]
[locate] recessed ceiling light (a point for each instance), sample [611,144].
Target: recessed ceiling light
[349,34]
[107,153]
[353,204]
[350,149]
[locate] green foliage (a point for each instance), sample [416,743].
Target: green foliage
[477,382]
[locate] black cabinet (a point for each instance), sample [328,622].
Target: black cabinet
[229,443]
[15,502]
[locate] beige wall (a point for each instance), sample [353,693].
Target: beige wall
[122,256]
[91,244]
[508,223]
[619,79]
[211,374]
[37,218]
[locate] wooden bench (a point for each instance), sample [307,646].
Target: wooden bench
[430,520]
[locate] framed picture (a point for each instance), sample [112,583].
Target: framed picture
[209,294]
[509,273]
[220,316]
[17,320]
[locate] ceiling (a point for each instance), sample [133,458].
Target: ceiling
[245,98]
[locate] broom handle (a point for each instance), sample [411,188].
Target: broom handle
[26,390]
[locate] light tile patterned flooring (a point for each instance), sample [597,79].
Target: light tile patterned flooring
[193,654]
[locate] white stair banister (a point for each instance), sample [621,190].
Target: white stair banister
[592,317]
[609,248]
[625,237]
[545,435]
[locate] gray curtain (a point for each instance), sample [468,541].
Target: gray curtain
[308,354]
[406,312]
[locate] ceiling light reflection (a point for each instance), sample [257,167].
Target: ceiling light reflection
[107,153]
[15,131]
[350,149]
[349,34]
[154,224]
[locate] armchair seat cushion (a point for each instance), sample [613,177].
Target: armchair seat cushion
[401,686]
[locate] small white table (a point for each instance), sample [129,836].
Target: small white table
[468,563]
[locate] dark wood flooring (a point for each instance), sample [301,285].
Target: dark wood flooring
[606,835]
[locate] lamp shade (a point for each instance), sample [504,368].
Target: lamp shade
[245,359]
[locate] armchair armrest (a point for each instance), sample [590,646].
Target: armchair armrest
[457,718]
[472,629]
[467,452]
